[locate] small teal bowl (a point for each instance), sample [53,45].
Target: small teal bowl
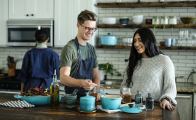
[36,100]
[124,21]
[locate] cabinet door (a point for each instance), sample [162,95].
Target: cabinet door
[65,18]
[3,19]
[63,22]
[19,9]
[185,106]
[41,9]
[81,5]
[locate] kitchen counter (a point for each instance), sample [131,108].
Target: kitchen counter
[45,112]
[181,87]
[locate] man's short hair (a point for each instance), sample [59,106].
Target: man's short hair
[86,15]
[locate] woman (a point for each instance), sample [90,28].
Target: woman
[39,64]
[150,71]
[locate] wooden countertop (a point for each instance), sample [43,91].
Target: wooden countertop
[45,112]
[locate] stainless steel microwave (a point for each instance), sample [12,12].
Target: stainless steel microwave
[21,32]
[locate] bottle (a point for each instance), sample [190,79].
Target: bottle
[149,103]
[138,99]
[54,92]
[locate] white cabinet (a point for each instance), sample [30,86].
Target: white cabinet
[3,19]
[65,20]
[31,9]
[185,106]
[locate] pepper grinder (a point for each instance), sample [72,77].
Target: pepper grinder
[149,103]
[138,99]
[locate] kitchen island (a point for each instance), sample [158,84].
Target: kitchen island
[41,112]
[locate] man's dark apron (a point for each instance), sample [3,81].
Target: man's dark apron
[84,70]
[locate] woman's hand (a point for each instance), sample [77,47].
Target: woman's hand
[166,103]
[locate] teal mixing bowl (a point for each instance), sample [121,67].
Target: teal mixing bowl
[36,100]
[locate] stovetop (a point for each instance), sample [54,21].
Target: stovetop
[10,83]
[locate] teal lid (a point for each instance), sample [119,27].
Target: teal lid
[127,109]
[87,97]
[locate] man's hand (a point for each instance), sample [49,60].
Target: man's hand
[88,84]
[166,103]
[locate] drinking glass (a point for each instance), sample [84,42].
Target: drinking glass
[126,94]
[186,36]
[181,34]
[93,92]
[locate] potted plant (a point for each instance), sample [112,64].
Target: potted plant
[106,68]
[194,76]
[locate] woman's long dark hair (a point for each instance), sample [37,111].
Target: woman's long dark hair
[151,50]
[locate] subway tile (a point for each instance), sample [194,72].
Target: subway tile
[186,53]
[118,55]
[105,11]
[112,51]
[100,58]
[187,14]
[111,59]
[119,11]
[164,10]
[179,10]
[134,11]
[178,57]
[190,65]
[180,64]
[185,61]
[105,55]
[112,15]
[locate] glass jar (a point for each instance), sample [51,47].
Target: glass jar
[172,20]
[126,94]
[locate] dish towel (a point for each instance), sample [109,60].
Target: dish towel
[117,110]
[17,104]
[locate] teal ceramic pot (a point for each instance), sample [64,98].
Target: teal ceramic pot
[110,40]
[70,100]
[111,102]
[87,103]
[36,100]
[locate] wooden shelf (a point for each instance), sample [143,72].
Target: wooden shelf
[146,25]
[161,47]
[146,4]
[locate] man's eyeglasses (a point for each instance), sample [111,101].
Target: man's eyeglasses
[89,29]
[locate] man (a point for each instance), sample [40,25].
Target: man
[78,62]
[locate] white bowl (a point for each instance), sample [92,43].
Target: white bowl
[109,20]
[137,16]
[137,21]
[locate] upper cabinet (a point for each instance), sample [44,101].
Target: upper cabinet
[3,19]
[31,9]
[65,19]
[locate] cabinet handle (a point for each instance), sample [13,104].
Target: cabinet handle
[32,15]
[27,15]
[183,96]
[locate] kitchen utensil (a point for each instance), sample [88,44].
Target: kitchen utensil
[124,20]
[127,109]
[109,20]
[87,103]
[110,40]
[36,100]
[70,99]
[188,20]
